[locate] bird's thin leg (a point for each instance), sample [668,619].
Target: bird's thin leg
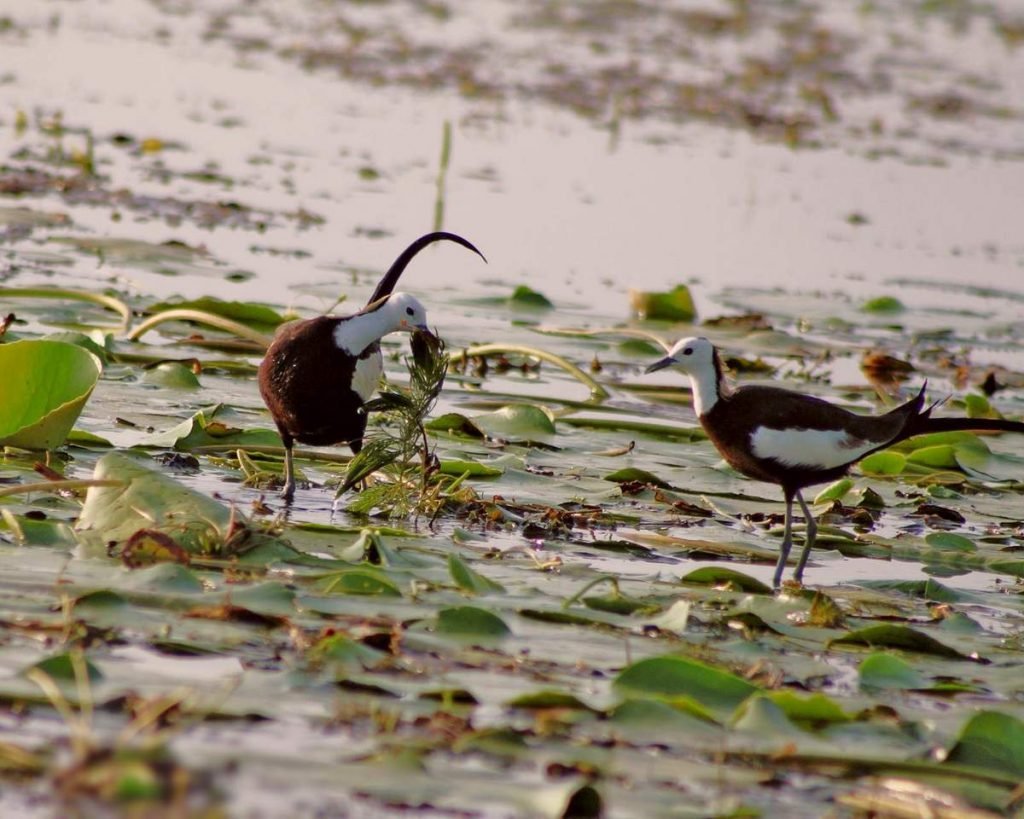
[812,533]
[289,474]
[787,541]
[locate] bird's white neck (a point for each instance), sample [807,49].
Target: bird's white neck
[707,386]
[361,330]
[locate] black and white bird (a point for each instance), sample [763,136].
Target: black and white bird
[318,373]
[796,440]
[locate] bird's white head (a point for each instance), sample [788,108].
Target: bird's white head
[698,359]
[405,312]
[691,355]
[391,314]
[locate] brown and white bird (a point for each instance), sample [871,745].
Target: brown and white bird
[795,440]
[318,373]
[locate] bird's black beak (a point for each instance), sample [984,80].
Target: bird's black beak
[667,361]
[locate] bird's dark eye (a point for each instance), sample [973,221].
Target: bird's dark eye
[688,351]
[409,311]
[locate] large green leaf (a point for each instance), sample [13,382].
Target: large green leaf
[518,423]
[991,740]
[668,677]
[148,499]
[45,386]
[673,305]
[902,637]
[883,671]
[211,427]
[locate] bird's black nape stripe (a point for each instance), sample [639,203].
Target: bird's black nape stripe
[718,372]
[387,283]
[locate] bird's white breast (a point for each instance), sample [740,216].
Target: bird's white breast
[814,448]
[367,375]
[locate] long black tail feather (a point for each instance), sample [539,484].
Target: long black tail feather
[922,425]
[390,279]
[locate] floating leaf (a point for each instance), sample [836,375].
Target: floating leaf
[524,296]
[454,423]
[724,576]
[471,581]
[365,581]
[172,374]
[949,541]
[208,427]
[815,709]
[631,474]
[471,469]
[885,462]
[991,740]
[340,649]
[902,637]
[834,492]
[548,698]
[885,671]
[667,677]
[941,456]
[518,423]
[150,500]
[45,385]
[882,304]
[255,315]
[61,667]
[470,621]
[674,305]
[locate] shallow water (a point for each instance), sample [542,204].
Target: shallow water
[789,159]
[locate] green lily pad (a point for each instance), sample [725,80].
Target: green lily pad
[525,423]
[673,305]
[255,315]
[886,671]
[61,667]
[885,462]
[524,296]
[171,374]
[668,677]
[210,427]
[148,499]
[472,622]
[471,581]
[724,576]
[471,469]
[991,741]
[45,385]
[631,474]
[902,637]
[883,304]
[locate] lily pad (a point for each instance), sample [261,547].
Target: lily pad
[45,385]
[147,499]
[521,423]
[669,677]
[673,305]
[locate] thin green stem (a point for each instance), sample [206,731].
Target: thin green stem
[200,317]
[109,302]
[597,392]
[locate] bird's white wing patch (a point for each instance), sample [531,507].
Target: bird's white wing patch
[814,448]
[367,375]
